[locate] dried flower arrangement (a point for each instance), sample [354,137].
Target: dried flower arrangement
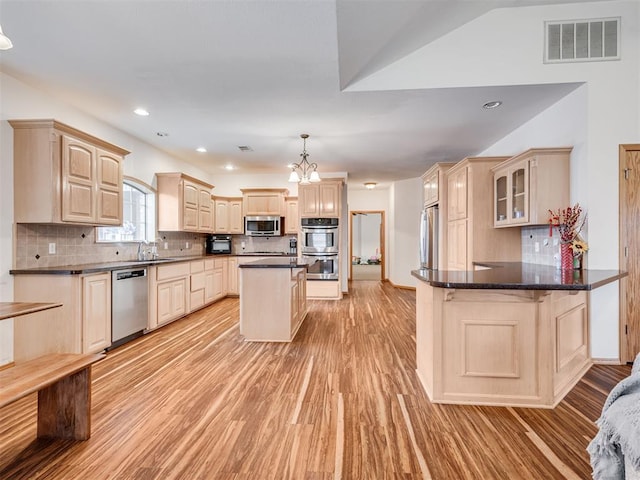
[569,222]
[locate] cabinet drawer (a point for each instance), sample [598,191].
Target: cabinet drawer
[197,300]
[197,281]
[197,266]
[172,271]
[208,264]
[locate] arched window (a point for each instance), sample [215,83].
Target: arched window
[138,215]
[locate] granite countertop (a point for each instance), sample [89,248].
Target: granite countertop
[108,266]
[277,263]
[519,276]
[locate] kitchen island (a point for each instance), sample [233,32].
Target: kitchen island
[273,299]
[511,334]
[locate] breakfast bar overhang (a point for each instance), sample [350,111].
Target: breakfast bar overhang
[508,334]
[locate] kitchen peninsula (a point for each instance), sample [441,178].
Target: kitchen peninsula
[511,333]
[273,299]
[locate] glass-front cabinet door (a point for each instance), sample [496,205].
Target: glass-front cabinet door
[511,195]
[501,199]
[519,194]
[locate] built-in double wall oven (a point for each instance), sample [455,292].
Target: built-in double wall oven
[320,247]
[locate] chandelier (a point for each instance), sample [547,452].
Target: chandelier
[308,171]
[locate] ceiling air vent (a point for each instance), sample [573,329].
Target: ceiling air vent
[582,40]
[245,148]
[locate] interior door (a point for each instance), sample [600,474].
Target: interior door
[630,251]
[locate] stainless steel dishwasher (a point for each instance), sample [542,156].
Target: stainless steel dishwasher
[129,304]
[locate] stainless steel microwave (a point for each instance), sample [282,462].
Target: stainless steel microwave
[263,226]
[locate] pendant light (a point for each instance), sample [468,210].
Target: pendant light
[308,171]
[5,43]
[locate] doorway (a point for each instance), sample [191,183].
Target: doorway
[366,245]
[629,166]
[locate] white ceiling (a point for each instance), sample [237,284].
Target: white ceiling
[224,73]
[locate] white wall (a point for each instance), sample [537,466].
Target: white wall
[404,226]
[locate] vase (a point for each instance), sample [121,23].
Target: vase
[566,256]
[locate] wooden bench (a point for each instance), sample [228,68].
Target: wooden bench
[63,383]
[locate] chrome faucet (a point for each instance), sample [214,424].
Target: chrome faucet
[142,254]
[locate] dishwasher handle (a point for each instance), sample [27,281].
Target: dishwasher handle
[131,274]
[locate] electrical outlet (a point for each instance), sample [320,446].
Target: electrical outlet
[52,248]
[536,247]
[555,242]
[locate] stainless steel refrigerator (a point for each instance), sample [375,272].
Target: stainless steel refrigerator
[429,238]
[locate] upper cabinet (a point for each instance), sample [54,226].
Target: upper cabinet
[291,217]
[77,177]
[527,186]
[184,204]
[432,183]
[469,235]
[228,215]
[321,199]
[264,201]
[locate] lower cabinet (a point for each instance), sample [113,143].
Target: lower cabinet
[81,325]
[96,312]
[233,276]
[170,293]
[283,291]
[501,347]
[171,300]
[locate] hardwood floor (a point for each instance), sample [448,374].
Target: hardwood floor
[194,401]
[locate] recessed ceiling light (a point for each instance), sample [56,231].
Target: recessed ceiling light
[492,104]
[229,167]
[162,134]
[370,185]
[201,150]
[141,111]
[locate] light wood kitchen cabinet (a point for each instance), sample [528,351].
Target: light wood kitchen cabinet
[209,295]
[282,289]
[292,219]
[221,216]
[264,201]
[171,288]
[236,219]
[469,228]
[220,278]
[197,281]
[96,312]
[78,177]
[81,325]
[500,347]
[184,203]
[457,194]
[321,199]
[232,276]
[528,185]
[432,181]
[228,215]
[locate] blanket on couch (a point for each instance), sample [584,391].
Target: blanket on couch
[619,435]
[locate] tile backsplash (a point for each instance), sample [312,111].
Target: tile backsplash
[261,244]
[76,245]
[548,248]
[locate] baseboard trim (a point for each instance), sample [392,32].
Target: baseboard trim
[7,365]
[607,361]
[403,287]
